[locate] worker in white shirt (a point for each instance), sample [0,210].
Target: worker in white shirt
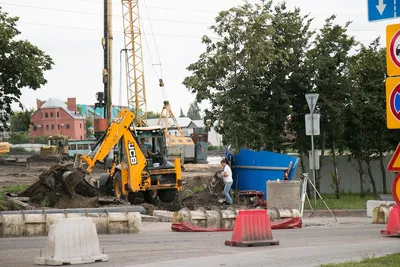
[227,176]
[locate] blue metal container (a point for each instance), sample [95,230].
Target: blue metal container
[252,169]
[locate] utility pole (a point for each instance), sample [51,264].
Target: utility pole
[107,70]
[104,98]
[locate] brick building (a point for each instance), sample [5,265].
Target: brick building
[56,117]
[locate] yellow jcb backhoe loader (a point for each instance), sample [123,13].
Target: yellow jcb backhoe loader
[132,175]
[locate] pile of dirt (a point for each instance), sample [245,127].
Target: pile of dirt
[201,199]
[58,191]
[211,192]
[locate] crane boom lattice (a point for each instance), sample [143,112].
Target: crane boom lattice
[136,93]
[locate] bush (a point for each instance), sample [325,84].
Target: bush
[19,138]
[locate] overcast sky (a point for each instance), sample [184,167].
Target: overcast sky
[71,31]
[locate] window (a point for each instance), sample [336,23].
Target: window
[67,126]
[46,115]
[51,115]
[47,126]
[81,137]
[80,125]
[52,127]
[58,114]
[35,128]
[58,126]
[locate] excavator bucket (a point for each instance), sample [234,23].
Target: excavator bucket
[63,187]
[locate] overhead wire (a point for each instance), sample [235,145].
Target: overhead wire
[154,38]
[146,18]
[160,77]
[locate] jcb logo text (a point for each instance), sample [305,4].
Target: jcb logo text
[132,154]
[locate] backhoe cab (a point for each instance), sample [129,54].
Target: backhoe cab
[140,170]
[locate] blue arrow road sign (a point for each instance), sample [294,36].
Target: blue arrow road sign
[383,9]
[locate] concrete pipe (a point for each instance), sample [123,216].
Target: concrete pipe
[216,218]
[22,224]
[223,219]
[380,214]
[288,213]
[139,209]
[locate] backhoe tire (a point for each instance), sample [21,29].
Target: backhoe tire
[118,194]
[150,196]
[167,195]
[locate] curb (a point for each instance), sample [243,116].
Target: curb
[337,213]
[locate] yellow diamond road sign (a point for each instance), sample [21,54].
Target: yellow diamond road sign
[393,49]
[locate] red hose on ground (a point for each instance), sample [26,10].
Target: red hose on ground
[289,223]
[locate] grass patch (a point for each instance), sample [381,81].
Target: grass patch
[16,189]
[392,260]
[346,201]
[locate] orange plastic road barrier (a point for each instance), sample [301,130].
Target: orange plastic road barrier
[393,226]
[252,228]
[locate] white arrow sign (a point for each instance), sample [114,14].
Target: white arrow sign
[312,101]
[381,7]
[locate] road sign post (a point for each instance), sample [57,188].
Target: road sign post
[312,102]
[382,9]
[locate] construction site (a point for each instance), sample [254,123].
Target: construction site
[139,194]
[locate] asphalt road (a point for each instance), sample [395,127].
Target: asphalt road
[158,246]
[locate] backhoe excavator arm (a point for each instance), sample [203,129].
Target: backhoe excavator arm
[111,137]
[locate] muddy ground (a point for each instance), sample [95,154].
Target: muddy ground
[195,191]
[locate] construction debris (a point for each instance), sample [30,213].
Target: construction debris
[208,192]
[19,203]
[62,187]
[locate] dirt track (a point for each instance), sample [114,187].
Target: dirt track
[11,175]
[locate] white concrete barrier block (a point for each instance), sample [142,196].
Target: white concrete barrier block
[372,204]
[72,241]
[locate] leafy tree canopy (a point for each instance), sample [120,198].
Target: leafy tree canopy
[22,65]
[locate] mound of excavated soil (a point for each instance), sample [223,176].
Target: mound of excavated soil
[201,199]
[212,191]
[52,190]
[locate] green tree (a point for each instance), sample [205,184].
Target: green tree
[289,80]
[193,111]
[329,61]
[182,114]
[22,65]
[20,121]
[153,115]
[89,128]
[366,133]
[227,73]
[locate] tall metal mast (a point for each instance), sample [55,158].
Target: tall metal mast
[107,71]
[104,99]
[134,61]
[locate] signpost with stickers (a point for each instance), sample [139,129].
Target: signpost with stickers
[393,120]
